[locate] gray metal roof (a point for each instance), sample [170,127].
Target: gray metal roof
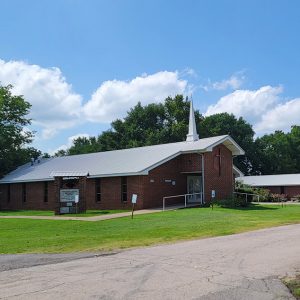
[134,161]
[271,180]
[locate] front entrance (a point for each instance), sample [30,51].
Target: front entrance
[194,186]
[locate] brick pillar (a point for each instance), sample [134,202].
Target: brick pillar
[57,185]
[82,194]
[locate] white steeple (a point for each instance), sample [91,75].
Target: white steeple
[192,135]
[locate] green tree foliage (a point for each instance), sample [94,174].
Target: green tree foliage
[238,129]
[278,153]
[13,135]
[168,122]
[164,123]
[143,125]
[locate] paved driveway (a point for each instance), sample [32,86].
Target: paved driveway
[243,266]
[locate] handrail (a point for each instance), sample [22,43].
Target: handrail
[183,195]
[247,195]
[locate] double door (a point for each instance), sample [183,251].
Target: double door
[194,187]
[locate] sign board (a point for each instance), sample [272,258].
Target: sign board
[69,195]
[76,198]
[134,198]
[213,193]
[64,210]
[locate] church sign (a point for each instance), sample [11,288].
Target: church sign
[69,195]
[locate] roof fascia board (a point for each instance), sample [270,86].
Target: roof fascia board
[26,181]
[118,174]
[240,150]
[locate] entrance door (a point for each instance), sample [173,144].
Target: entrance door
[194,186]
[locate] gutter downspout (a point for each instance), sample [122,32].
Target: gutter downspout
[203,181]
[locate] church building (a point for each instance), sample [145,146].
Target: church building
[107,180]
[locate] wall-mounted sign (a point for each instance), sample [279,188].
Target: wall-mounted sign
[213,193]
[134,198]
[76,198]
[173,182]
[168,180]
[69,195]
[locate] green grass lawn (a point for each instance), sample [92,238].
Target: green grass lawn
[41,236]
[89,213]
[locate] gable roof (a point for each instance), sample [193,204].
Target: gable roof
[271,180]
[126,162]
[237,171]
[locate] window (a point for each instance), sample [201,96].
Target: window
[8,193]
[24,193]
[124,189]
[45,191]
[98,189]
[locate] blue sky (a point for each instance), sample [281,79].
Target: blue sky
[83,63]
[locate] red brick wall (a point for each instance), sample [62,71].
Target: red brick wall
[191,162]
[221,182]
[34,198]
[156,186]
[111,193]
[149,188]
[289,190]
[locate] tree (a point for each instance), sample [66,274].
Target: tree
[165,123]
[240,130]
[14,119]
[144,125]
[278,153]
[168,122]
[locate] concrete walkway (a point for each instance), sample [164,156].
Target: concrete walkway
[96,218]
[236,267]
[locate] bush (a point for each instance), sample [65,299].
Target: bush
[232,202]
[279,197]
[297,197]
[264,194]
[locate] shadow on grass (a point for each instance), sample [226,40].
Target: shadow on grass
[252,207]
[97,212]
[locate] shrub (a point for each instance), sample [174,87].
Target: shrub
[297,197]
[264,194]
[279,197]
[232,202]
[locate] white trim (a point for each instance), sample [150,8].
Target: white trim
[227,137]
[237,170]
[29,181]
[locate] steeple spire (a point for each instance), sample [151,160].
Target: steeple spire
[192,135]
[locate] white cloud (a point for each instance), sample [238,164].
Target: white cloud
[54,105]
[69,142]
[114,98]
[264,108]
[246,103]
[282,117]
[234,82]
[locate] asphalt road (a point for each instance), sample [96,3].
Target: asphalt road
[243,266]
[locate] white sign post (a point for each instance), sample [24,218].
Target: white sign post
[213,195]
[76,198]
[133,201]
